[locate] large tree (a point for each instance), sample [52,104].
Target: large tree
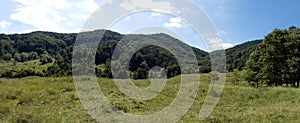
[276,61]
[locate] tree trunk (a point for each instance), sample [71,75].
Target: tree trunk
[298,84]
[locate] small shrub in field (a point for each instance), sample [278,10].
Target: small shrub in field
[121,107]
[25,101]
[67,89]
[11,97]
[74,97]
[51,92]
[139,104]
[24,118]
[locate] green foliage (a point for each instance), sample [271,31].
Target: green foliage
[237,56]
[24,57]
[5,47]
[20,74]
[236,76]
[140,73]
[277,60]
[33,56]
[45,58]
[57,48]
[7,57]
[17,57]
[173,70]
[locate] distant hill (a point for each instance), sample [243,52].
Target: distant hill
[57,49]
[237,56]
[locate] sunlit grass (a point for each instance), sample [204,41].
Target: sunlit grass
[37,99]
[19,66]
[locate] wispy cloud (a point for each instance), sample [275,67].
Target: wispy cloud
[4,24]
[218,44]
[174,22]
[155,14]
[145,4]
[55,15]
[216,40]
[227,45]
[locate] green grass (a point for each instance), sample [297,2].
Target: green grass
[37,99]
[33,65]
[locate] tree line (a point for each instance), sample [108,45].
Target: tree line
[57,48]
[271,61]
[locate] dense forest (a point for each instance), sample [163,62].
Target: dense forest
[57,49]
[271,61]
[237,56]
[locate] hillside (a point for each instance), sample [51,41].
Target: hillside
[57,49]
[238,55]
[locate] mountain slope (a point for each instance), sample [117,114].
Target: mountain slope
[237,56]
[57,48]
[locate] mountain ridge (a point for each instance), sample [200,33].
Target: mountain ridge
[59,47]
[51,32]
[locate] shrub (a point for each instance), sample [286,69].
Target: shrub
[7,57]
[45,58]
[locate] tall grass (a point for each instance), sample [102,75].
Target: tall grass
[37,99]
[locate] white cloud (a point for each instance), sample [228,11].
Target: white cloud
[227,45]
[127,18]
[127,6]
[217,44]
[155,14]
[216,40]
[110,2]
[54,15]
[4,24]
[174,22]
[87,5]
[223,32]
[214,44]
[130,5]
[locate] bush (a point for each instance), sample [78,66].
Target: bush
[45,58]
[33,56]
[173,70]
[24,57]
[17,57]
[20,74]
[7,57]
[140,73]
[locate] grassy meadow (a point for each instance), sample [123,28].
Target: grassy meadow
[38,99]
[19,66]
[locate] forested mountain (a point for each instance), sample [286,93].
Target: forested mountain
[56,50]
[237,56]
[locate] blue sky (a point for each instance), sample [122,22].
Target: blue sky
[237,21]
[242,20]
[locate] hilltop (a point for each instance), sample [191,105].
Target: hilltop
[53,51]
